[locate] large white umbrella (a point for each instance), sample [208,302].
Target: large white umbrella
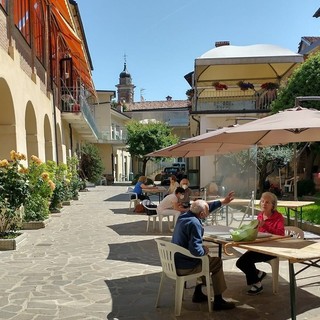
[288,126]
[192,148]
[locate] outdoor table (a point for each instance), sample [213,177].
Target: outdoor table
[158,190]
[296,207]
[293,250]
[290,249]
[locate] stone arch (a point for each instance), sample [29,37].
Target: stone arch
[48,141]
[8,134]
[31,131]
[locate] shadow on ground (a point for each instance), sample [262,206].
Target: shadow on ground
[137,228]
[139,293]
[144,252]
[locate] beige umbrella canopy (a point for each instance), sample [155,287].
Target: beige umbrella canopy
[193,148]
[288,126]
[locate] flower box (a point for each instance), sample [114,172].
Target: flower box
[12,244]
[33,225]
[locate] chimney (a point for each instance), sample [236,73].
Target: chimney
[222,43]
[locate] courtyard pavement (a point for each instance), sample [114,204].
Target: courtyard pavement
[95,260]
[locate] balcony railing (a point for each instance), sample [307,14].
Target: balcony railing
[119,136]
[234,99]
[74,102]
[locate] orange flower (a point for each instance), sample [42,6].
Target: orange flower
[45,175]
[52,185]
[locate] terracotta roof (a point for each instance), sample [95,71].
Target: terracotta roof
[153,105]
[308,41]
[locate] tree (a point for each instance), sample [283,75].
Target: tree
[90,165]
[271,158]
[304,81]
[144,138]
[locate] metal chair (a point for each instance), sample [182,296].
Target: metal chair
[167,251]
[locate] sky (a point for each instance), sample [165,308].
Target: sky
[160,40]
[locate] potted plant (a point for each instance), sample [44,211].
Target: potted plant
[245,85]
[14,193]
[269,86]
[220,86]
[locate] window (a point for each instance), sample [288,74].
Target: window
[21,17]
[25,13]
[38,29]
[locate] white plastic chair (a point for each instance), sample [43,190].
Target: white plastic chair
[167,251]
[151,210]
[133,200]
[165,214]
[294,232]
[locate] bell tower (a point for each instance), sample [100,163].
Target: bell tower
[125,87]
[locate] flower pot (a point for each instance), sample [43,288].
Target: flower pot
[12,244]
[33,225]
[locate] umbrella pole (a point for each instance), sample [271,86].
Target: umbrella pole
[295,189]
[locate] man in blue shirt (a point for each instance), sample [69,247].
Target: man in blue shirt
[188,233]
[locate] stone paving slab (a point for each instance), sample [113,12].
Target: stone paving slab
[95,260]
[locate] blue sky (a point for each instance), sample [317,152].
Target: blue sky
[161,39]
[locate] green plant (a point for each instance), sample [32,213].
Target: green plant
[91,166]
[14,192]
[305,187]
[73,176]
[41,188]
[61,190]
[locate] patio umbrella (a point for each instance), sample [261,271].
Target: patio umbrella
[191,147]
[288,126]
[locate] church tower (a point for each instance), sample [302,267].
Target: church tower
[125,87]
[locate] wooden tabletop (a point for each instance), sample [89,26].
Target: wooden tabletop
[294,250]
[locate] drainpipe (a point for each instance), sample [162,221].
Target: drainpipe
[52,87]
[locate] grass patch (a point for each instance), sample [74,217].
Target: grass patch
[9,235]
[310,213]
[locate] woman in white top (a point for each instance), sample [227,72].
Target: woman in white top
[173,184]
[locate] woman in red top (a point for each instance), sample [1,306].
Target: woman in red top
[270,221]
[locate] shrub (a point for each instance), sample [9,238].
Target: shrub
[305,187]
[91,166]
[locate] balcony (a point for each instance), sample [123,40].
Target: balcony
[233,99]
[114,137]
[77,111]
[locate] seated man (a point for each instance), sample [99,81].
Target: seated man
[188,233]
[184,183]
[170,204]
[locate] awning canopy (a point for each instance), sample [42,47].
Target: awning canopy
[74,43]
[255,63]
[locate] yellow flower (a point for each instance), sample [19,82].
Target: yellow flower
[13,155]
[23,169]
[52,185]
[4,163]
[36,159]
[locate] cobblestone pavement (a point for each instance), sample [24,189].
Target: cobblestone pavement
[95,260]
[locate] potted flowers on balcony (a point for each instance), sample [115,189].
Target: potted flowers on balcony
[220,86]
[245,85]
[269,86]
[14,193]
